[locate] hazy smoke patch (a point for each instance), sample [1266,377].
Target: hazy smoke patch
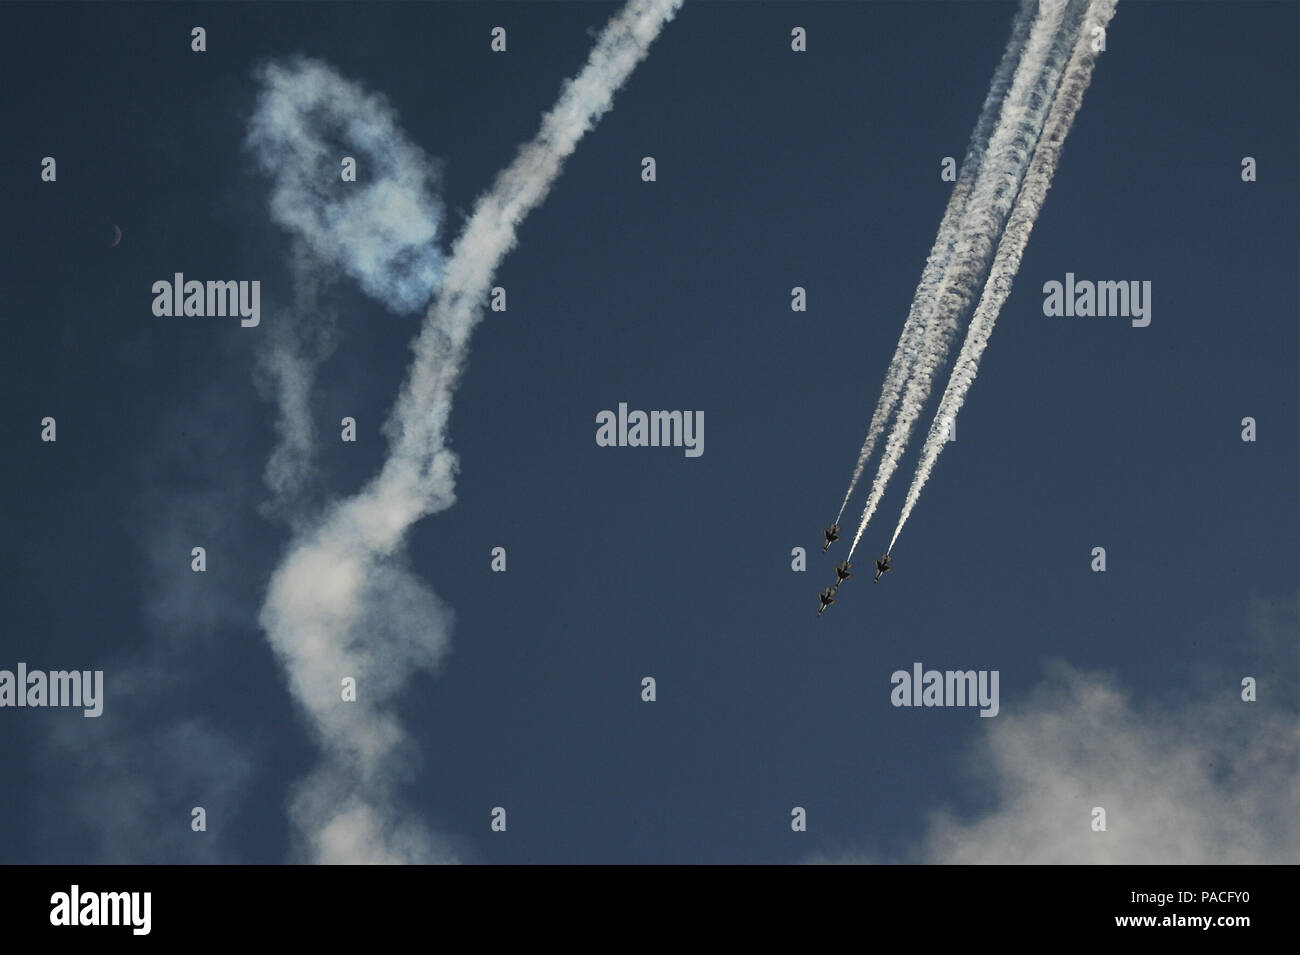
[131,799]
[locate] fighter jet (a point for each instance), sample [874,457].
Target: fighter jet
[832,535]
[842,573]
[827,597]
[883,566]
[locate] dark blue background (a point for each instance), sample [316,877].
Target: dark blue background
[774,170]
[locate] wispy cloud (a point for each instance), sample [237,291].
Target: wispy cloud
[1213,782]
[1204,779]
[136,784]
[124,783]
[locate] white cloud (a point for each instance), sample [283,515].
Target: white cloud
[1208,780]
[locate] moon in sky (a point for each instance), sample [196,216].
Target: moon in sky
[117,237]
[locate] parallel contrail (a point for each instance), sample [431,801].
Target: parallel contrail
[982,222]
[1038,180]
[909,342]
[342,602]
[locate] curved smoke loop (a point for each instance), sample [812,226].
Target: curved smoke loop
[342,602]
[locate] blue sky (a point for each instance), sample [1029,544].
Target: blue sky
[775,169]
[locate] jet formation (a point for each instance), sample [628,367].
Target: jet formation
[844,569]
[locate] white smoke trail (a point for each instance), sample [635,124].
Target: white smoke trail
[419,419]
[1038,180]
[381,229]
[919,312]
[342,603]
[986,212]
